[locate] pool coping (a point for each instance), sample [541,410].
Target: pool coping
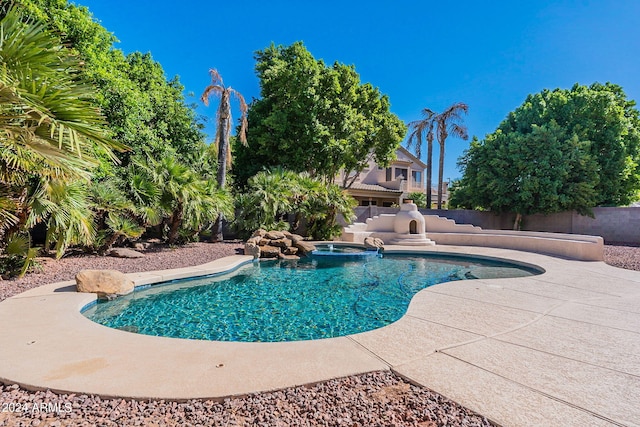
[468,340]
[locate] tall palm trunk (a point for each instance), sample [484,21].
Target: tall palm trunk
[223,148]
[440,175]
[223,133]
[429,167]
[449,121]
[420,127]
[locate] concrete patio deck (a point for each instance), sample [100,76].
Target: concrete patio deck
[558,349]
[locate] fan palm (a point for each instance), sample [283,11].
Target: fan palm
[449,121]
[46,114]
[50,133]
[270,194]
[223,131]
[178,196]
[115,214]
[418,129]
[66,209]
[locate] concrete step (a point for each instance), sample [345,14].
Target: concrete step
[413,240]
[357,226]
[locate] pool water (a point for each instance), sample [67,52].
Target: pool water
[312,298]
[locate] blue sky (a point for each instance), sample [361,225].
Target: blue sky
[490,55]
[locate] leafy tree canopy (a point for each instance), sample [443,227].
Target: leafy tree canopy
[144,109]
[560,150]
[315,118]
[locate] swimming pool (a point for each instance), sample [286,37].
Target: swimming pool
[312,298]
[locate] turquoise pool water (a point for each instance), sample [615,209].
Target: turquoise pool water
[315,297]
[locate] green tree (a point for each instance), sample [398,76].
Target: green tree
[315,118]
[541,171]
[603,116]
[425,127]
[449,121]
[420,199]
[223,132]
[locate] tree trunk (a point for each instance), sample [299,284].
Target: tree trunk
[216,234]
[429,169]
[518,221]
[176,220]
[440,174]
[223,148]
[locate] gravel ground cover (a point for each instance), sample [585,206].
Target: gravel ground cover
[623,256]
[373,399]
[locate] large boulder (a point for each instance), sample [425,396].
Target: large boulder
[274,235]
[255,240]
[125,253]
[292,250]
[107,284]
[268,251]
[283,243]
[304,247]
[373,243]
[250,248]
[259,233]
[293,237]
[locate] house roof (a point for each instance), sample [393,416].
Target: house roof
[372,187]
[412,157]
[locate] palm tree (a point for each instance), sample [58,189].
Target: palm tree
[46,115]
[172,194]
[449,121]
[65,207]
[50,132]
[223,132]
[114,214]
[419,127]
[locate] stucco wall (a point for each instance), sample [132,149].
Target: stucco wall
[621,225]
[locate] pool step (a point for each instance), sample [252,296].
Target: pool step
[413,240]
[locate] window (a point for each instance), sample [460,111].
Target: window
[387,204]
[401,172]
[368,203]
[388,177]
[417,177]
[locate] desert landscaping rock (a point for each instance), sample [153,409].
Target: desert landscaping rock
[277,244]
[373,243]
[623,256]
[274,235]
[283,243]
[156,258]
[259,233]
[107,284]
[292,250]
[373,399]
[288,257]
[268,251]
[251,248]
[304,247]
[125,253]
[294,237]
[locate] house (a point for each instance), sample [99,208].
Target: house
[385,187]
